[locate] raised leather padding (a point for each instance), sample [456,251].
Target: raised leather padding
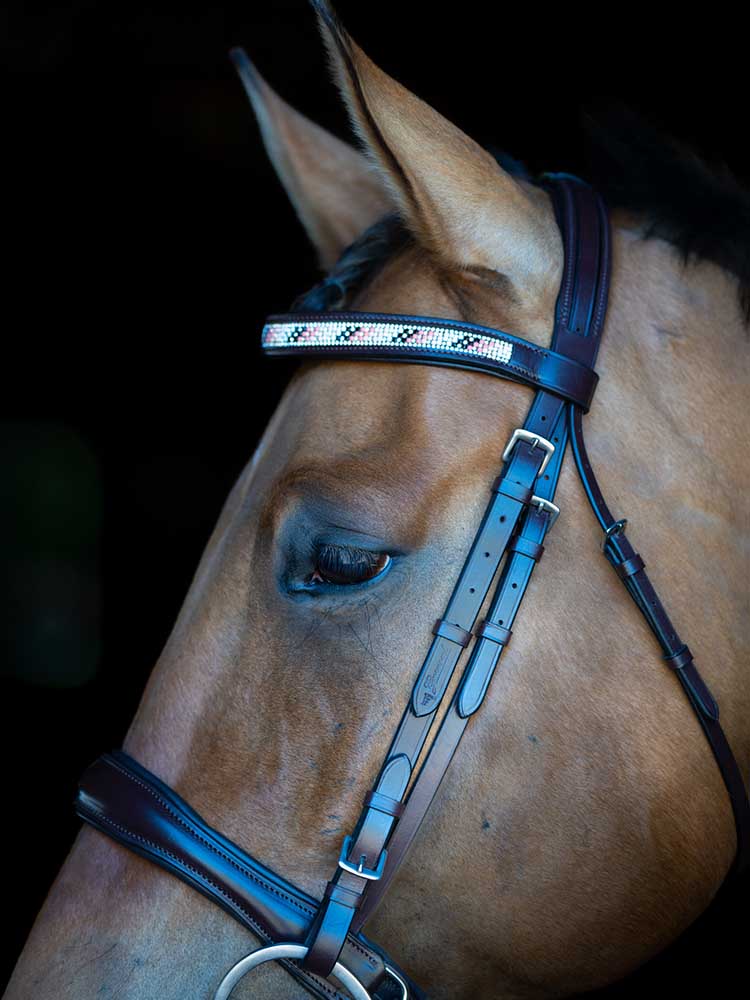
[124,800]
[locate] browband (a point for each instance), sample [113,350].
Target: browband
[421,339]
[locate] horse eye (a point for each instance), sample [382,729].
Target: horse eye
[344,564]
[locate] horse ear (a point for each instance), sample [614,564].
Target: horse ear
[452,194]
[334,189]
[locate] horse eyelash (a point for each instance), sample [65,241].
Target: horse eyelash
[344,560]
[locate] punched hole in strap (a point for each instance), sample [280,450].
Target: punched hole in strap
[498,634]
[449,630]
[679,660]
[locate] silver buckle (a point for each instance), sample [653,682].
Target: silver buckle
[273,953]
[372,874]
[535,440]
[548,507]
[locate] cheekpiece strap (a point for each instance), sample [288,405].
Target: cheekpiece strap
[521,503]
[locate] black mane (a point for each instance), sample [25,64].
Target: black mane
[701,210]
[356,265]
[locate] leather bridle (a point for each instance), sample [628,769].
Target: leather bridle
[122,799]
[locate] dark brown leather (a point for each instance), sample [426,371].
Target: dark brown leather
[177,839]
[383,803]
[582,303]
[451,631]
[499,634]
[514,490]
[425,788]
[531,549]
[568,377]
[629,567]
[619,551]
[373,830]
[341,895]
[679,660]
[473,686]
[128,803]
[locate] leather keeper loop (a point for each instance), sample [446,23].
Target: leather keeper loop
[340,894]
[453,632]
[384,803]
[629,567]
[515,491]
[526,547]
[488,630]
[682,658]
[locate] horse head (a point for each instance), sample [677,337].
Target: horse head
[583,825]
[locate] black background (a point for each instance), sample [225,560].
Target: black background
[146,238]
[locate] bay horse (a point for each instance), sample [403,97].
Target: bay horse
[584,824]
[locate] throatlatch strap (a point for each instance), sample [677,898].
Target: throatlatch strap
[630,567]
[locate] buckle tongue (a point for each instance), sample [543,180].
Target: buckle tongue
[548,507]
[372,874]
[535,440]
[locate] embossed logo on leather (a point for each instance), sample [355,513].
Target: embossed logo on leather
[434,680]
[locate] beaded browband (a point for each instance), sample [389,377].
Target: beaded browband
[387,337]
